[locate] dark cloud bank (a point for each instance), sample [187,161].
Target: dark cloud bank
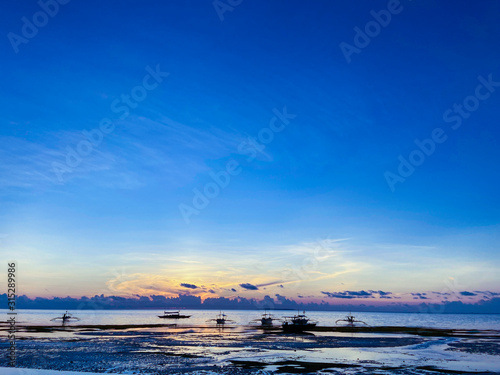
[490,306]
[359,294]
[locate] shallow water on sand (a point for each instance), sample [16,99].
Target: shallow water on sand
[238,350]
[195,346]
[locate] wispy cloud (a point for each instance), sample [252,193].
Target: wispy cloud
[129,157]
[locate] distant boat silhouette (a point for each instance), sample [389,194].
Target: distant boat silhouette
[350,319]
[266,319]
[173,315]
[299,322]
[221,318]
[66,317]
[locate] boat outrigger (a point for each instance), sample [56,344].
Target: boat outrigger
[66,317]
[173,315]
[350,319]
[299,322]
[266,319]
[221,318]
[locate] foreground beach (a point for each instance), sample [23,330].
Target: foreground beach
[205,349]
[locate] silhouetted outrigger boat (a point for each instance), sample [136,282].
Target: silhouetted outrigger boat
[66,317]
[298,323]
[350,320]
[266,319]
[173,315]
[220,319]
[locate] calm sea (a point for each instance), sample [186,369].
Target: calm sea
[243,317]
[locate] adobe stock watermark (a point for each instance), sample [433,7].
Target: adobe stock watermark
[94,137]
[363,37]
[31,27]
[223,6]
[456,114]
[221,179]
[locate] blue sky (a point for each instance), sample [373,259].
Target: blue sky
[113,224]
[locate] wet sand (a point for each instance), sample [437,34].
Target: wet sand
[172,349]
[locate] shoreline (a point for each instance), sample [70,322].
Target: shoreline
[349,309]
[409,330]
